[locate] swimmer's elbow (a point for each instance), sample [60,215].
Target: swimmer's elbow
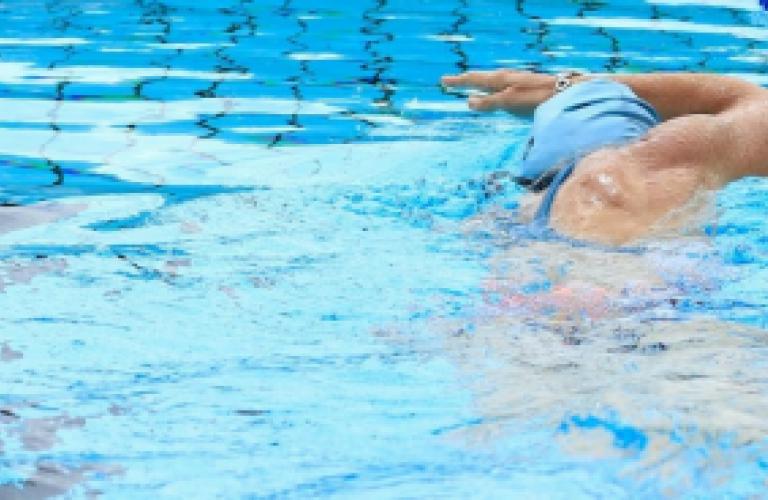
[602,189]
[722,94]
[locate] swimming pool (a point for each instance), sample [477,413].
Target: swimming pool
[273,258]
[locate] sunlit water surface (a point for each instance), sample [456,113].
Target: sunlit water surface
[251,249]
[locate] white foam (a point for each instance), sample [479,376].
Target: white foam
[121,113]
[726,4]
[748,32]
[450,38]
[315,56]
[447,106]
[16,73]
[187,46]
[45,42]
[186,160]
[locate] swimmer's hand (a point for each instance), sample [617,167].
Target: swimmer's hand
[517,92]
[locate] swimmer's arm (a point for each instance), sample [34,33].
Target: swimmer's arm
[723,146]
[715,124]
[679,94]
[672,94]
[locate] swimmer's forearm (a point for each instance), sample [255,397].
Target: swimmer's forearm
[672,94]
[680,94]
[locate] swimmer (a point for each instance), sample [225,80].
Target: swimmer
[612,155]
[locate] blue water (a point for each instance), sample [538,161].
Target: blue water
[252,249]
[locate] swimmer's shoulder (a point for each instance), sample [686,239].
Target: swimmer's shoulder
[617,195]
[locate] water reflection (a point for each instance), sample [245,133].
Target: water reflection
[207,208]
[620,356]
[295,81]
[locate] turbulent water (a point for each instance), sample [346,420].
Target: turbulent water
[251,249]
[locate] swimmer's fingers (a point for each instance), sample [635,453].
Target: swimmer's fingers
[513,99]
[513,91]
[489,81]
[491,102]
[498,80]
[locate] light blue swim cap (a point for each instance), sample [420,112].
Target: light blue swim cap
[583,118]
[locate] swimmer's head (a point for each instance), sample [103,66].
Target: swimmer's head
[581,119]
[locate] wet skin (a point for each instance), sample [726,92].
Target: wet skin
[714,132]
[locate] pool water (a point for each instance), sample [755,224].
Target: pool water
[251,249]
